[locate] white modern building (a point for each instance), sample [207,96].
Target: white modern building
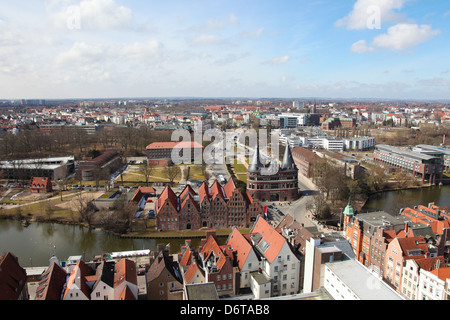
[350,280]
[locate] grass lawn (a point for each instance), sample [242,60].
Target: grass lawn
[133,175]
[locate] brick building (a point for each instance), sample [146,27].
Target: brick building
[160,153]
[99,168]
[41,185]
[304,159]
[216,206]
[279,186]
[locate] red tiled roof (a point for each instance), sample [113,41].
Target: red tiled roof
[13,277]
[191,271]
[83,270]
[125,270]
[238,243]
[169,195]
[217,190]
[172,145]
[442,273]
[52,283]
[274,240]
[229,188]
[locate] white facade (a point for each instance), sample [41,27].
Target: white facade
[251,264]
[102,291]
[410,280]
[359,144]
[284,272]
[431,287]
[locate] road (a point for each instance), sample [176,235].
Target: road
[298,209]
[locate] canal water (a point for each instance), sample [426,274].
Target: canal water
[393,201]
[35,244]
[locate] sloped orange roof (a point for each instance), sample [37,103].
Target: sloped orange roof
[84,272]
[229,188]
[414,243]
[429,263]
[125,270]
[127,294]
[442,273]
[191,271]
[275,241]
[203,192]
[187,257]
[167,194]
[238,243]
[216,190]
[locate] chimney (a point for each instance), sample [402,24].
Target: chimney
[406,229]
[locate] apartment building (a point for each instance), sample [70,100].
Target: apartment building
[398,251]
[217,263]
[161,153]
[411,274]
[434,285]
[164,280]
[350,280]
[429,167]
[304,159]
[278,262]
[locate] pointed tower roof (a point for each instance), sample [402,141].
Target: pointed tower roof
[348,211]
[256,164]
[288,161]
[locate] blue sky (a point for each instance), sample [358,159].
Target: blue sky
[396,49]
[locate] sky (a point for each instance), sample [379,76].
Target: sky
[80,49]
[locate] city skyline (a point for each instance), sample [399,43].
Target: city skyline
[380,49]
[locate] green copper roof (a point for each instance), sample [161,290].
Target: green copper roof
[348,210]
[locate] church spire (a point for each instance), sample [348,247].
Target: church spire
[288,161]
[256,162]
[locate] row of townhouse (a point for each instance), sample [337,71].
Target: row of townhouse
[402,249]
[214,206]
[261,263]
[101,280]
[105,280]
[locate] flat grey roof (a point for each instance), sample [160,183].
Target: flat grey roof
[404,153]
[364,284]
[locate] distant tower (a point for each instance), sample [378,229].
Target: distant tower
[314,110]
[348,215]
[279,186]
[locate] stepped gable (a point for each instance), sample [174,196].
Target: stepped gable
[229,188]
[167,194]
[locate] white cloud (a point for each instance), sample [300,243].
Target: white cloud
[404,36]
[367,12]
[81,54]
[361,47]
[89,14]
[435,82]
[399,37]
[251,34]
[279,60]
[206,39]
